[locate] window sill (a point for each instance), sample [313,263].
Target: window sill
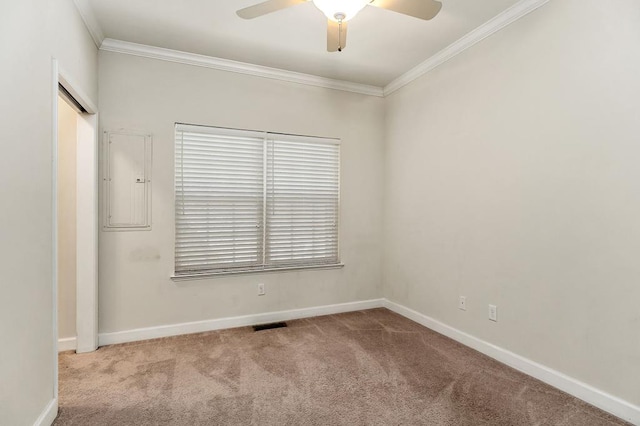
[207,275]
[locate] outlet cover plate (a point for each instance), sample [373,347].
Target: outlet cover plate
[493,313]
[462,303]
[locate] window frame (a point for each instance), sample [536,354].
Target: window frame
[263,267]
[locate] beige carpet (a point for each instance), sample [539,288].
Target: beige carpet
[363,368]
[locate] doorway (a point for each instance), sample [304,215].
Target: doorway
[75,218]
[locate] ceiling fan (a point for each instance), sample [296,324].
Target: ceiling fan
[339,12]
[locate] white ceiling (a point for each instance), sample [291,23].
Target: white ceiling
[381,45]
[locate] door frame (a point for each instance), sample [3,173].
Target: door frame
[87,220]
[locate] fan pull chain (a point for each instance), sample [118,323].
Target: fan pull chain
[340,18]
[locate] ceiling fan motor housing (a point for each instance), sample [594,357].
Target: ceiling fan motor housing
[345,8]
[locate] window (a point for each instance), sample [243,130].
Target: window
[258,201]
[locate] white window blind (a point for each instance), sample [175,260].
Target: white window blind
[219,199]
[303,180]
[254,201]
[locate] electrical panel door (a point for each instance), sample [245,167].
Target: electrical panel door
[127,178]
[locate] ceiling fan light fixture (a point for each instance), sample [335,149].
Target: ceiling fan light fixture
[340,10]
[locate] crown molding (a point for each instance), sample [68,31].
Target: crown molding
[88,16]
[163,54]
[515,12]
[492,26]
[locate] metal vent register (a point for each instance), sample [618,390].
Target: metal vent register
[269,326]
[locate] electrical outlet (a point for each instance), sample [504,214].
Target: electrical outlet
[261,290]
[493,313]
[462,304]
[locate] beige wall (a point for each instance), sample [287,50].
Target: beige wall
[150,95]
[31,33]
[67,139]
[73,47]
[513,179]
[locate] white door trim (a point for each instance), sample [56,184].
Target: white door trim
[87,234]
[54,226]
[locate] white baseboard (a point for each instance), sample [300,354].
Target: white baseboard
[231,322]
[49,414]
[67,344]
[614,405]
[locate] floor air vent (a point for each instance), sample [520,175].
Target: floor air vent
[269,326]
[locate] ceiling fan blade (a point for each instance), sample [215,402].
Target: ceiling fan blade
[336,36]
[422,9]
[268,6]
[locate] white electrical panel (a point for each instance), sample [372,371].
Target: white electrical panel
[127,180]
